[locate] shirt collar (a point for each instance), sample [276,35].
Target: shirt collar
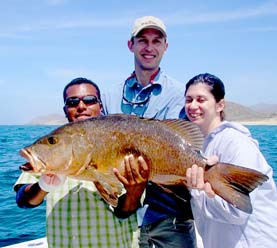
[131,81]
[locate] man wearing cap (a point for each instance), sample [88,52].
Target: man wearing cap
[165,220]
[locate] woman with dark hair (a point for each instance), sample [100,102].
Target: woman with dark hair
[219,223]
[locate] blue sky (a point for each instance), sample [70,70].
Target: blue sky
[46,43]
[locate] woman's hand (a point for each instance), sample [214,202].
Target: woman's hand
[195,177]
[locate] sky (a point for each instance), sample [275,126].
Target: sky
[44,44]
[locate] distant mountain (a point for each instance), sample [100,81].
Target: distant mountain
[267,109]
[238,112]
[51,119]
[233,112]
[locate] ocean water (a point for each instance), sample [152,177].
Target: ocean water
[19,225]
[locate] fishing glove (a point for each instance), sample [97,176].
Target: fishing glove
[49,182]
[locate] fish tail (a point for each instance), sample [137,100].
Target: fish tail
[234,183]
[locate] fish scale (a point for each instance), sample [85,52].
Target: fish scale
[90,149]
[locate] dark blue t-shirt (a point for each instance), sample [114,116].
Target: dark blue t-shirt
[163,204]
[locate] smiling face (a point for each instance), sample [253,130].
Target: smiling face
[82,111]
[148,48]
[202,108]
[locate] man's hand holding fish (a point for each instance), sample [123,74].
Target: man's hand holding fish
[136,173]
[50,182]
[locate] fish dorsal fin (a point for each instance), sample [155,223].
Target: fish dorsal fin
[188,130]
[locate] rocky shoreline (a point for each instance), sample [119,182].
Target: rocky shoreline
[248,122]
[233,112]
[264,121]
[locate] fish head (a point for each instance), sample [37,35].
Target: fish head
[57,153]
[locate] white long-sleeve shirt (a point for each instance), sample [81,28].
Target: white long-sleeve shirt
[220,224]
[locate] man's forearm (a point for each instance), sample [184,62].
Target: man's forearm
[127,205]
[30,195]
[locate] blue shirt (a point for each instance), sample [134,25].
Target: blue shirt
[232,228]
[162,98]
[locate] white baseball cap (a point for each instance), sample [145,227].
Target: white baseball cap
[148,22]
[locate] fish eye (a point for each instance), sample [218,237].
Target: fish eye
[52,140]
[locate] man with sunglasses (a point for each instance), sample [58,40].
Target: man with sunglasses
[165,220]
[76,214]
[82,100]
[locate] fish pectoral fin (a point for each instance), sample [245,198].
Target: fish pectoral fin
[167,180]
[166,187]
[109,188]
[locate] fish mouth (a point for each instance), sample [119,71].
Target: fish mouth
[34,164]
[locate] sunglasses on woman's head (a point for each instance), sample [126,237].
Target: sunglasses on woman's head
[74,101]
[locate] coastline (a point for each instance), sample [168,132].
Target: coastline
[265,121]
[271,121]
[254,122]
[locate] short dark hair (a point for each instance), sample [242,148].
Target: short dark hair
[81,80]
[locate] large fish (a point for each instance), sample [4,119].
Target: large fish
[90,149]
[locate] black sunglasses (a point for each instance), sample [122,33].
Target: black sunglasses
[88,100]
[134,101]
